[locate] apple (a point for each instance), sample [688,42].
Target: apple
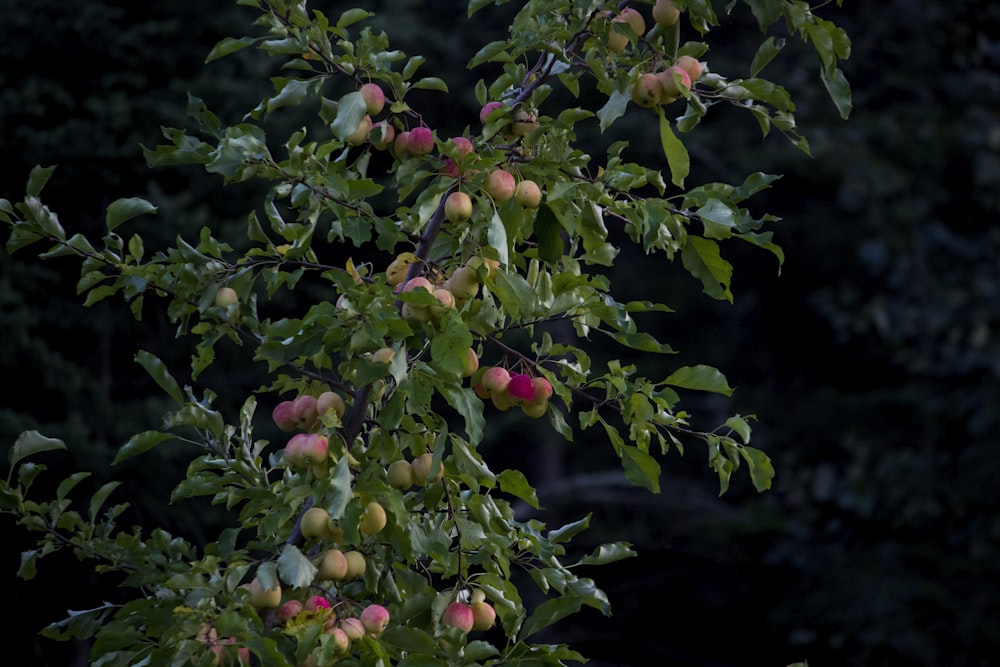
[535,409]
[416,314]
[330,401]
[353,628]
[692,66]
[383,355]
[314,523]
[332,565]
[502,400]
[399,474]
[458,207]
[307,449]
[360,134]
[446,302]
[421,469]
[492,265]
[454,166]
[520,387]
[373,519]
[496,379]
[543,389]
[463,283]
[478,595]
[665,13]
[261,598]
[282,416]
[458,615]
[401,144]
[675,82]
[374,98]
[316,602]
[356,564]
[225,297]
[524,123]
[382,135]
[490,107]
[421,141]
[305,412]
[219,649]
[528,194]
[336,531]
[647,91]
[340,639]
[634,20]
[470,363]
[499,185]
[289,610]
[483,615]
[375,617]
[399,267]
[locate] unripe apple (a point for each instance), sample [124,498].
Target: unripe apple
[289,610]
[535,409]
[528,194]
[543,389]
[399,474]
[375,617]
[665,12]
[520,387]
[502,400]
[415,313]
[454,167]
[481,391]
[483,615]
[335,530]
[692,66]
[421,141]
[261,598]
[360,134]
[458,615]
[634,20]
[675,82]
[373,519]
[421,469]
[353,628]
[356,564]
[478,595]
[382,135]
[332,566]
[463,283]
[500,185]
[225,297]
[617,41]
[315,523]
[485,112]
[647,91]
[418,282]
[330,401]
[524,123]
[492,265]
[383,355]
[340,639]
[458,207]
[282,416]
[374,98]
[304,412]
[446,302]
[401,144]
[496,379]
[470,363]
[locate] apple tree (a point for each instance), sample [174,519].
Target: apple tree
[465,274]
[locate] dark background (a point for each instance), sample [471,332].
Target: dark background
[872,361]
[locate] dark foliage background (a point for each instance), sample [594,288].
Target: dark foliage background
[872,361]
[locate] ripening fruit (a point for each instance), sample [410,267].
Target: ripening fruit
[336,531]
[360,134]
[458,207]
[383,134]
[383,355]
[332,566]
[458,615]
[692,66]
[647,90]
[499,185]
[356,565]
[261,598]
[330,401]
[421,469]
[282,416]
[524,123]
[535,409]
[374,98]
[675,82]
[316,602]
[485,112]
[353,628]
[396,272]
[225,297]
[470,363]
[521,387]
[496,379]
[415,313]
[289,610]
[483,615]
[634,20]
[543,389]
[315,523]
[492,265]
[401,144]
[304,412]
[340,639]
[421,141]
[463,283]
[375,617]
[665,12]
[373,520]
[446,302]
[399,474]
[307,449]
[528,194]
[616,41]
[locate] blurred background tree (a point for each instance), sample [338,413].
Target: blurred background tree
[873,360]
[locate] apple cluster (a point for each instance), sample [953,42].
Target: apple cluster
[454,292]
[506,389]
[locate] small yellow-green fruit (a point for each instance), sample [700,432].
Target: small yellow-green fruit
[528,194]
[458,207]
[492,265]
[470,363]
[332,566]
[382,136]
[315,523]
[373,520]
[647,90]
[499,185]
[483,616]
[463,283]
[446,302]
[675,82]
[524,123]
[634,20]
[416,313]
[477,596]
[360,134]
[399,474]
[665,12]
[261,598]
[396,272]
[535,409]
[356,564]
[225,297]
[335,531]
[383,355]
[616,41]
[421,466]
[330,401]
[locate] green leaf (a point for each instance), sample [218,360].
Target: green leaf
[351,110]
[431,83]
[717,219]
[80,624]
[608,553]
[139,443]
[27,570]
[701,378]
[516,484]
[30,443]
[339,492]
[229,45]
[702,259]
[548,233]
[641,469]
[294,568]
[494,51]
[840,91]
[567,532]
[125,209]
[761,469]
[615,107]
[352,16]
[465,401]
[765,54]
[101,495]
[158,370]
[677,155]
[37,179]
[548,613]
[69,483]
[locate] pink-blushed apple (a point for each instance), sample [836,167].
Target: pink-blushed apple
[500,185]
[521,387]
[483,615]
[353,628]
[375,617]
[374,98]
[332,565]
[283,417]
[289,610]
[382,135]
[458,615]
[528,194]
[496,379]
[458,207]
[421,141]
